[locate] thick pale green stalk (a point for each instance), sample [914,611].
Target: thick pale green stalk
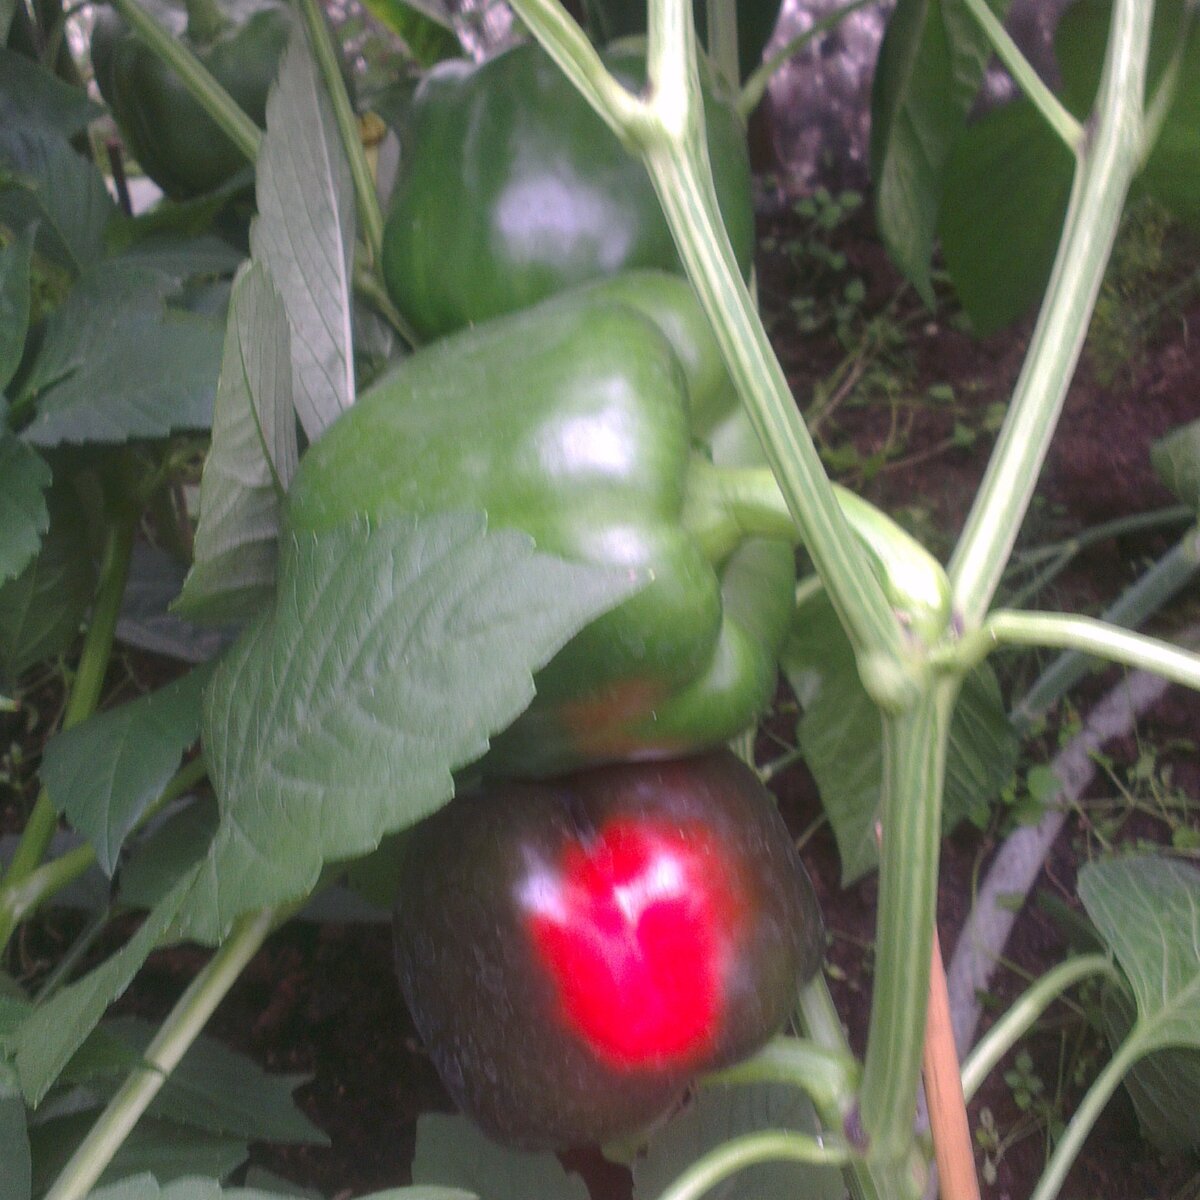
[1086,1115]
[85,696]
[1109,159]
[914,754]
[1025,77]
[170,1043]
[1026,1009]
[217,102]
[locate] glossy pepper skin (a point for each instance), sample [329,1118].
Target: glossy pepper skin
[513,189]
[570,421]
[574,952]
[176,143]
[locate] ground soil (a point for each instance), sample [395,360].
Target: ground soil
[321,999]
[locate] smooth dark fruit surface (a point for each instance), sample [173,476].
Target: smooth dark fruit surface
[574,952]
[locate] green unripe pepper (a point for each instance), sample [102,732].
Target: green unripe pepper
[173,139]
[512,189]
[571,421]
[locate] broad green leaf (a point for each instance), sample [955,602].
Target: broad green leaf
[41,608]
[929,69]
[15,261]
[33,98]
[154,864]
[1172,171]
[16,1169]
[52,1033]
[1164,1085]
[452,1152]
[304,233]
[1147,910]
[251,462]
[213,1088]
[718,1114]
[118,364]
[103,773]
[426,29]
[1007,186]
[167,1152]
[24,517]
[394,652]
[1176,460]
[841,737]
[42,179]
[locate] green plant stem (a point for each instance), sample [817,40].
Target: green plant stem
[667,128]
[1019,1018]
[1109,159]
[169,1045]
[755,86]
[370,215]
[1087,634]
[722,45]
[85,696]
[1168,83]
[1025,77]
[914,751]
[1086,1115]
[830,1078]
[1165,580]
[194,76]
[745,1151]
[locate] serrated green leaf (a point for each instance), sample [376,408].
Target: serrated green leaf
[42,607]
[33,98]
[929,69]
[718,1114]
[157,862]
[841,737]
[16,1166]
[394,652]
[304,233]
[103,773]
[252,460]
[42,179]
[1164,1086]
[15,261]
[117,364]
[1006,190]
[52,1033]
[165,1151]
[1176,461]
[24,517]
[452,1151]
[1147,910]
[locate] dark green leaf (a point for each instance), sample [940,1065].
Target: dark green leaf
[930,66]
[1176,460]
[250,465]
[15,1163]
[452,1152]
[1007,186]
[304,234]
[15,261]
[103,773]
[425,29]
[52,1033]
[154,864]
[118,364]
[42,179]
[145,1187]
[33,98]
[394,652]
[24,517]
[718,1114]
[841,737]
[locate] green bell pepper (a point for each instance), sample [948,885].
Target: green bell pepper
[571,421]
[512,189]
[173,139]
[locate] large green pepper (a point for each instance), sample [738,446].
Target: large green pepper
[173,139]
[512,189]
[571,421]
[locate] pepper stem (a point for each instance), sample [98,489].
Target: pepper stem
[205,21]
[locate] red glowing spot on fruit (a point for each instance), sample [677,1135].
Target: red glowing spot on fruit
[636,929]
